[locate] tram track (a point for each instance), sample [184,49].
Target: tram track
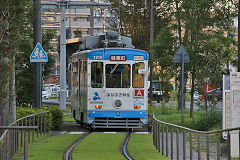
[124,152]
[124,147]
[68,152]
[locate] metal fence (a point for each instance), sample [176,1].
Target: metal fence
[182,143]
[20,131]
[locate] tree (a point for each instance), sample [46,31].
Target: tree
[16,45]
[78,33]
[24,69]
[200,26]
[164,51]
[134,20]
[11,20]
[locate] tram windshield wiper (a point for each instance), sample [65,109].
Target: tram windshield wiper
[114,68]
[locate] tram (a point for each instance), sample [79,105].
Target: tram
[109,83]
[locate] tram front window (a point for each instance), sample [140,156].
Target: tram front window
[138,79]
[117,75]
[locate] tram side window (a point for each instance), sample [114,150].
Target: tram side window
[75,73]
[117,75]
[138,79]
[96,74]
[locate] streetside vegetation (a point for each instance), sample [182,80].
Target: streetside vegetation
[201,120]
[67,115]
[141,146]
[16,45]
[54,119]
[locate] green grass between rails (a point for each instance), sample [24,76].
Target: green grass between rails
[100,146]
[141,147]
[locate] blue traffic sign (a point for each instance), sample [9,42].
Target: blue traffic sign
[38,54]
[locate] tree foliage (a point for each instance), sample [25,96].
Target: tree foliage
[11,12]
[16,45]
[201,26]
[134,19]
[24,68]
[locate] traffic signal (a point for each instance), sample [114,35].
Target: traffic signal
[231,35]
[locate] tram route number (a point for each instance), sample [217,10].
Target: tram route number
[97,57]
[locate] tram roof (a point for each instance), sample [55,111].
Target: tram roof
[97,54]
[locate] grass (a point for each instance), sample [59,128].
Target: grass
[52,148]
[141,147]
[20,152]
[100,146]
[171,115]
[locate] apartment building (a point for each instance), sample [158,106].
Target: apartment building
[80,22]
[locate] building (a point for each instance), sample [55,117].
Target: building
[80,22]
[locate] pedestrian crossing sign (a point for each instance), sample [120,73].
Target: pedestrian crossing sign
[38,54]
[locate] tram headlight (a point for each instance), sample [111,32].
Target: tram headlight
[137,107]
[98,106]
[118,103]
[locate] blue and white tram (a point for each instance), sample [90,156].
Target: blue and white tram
[109,87]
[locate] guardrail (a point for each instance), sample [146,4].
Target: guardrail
[182,143]
[12,138]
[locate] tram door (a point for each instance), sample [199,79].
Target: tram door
[96,91]
[75,90]
[82,90]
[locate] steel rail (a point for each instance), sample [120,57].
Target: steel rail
[124,147]
[68,153]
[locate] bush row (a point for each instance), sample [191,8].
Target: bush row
[54,118]
[202,121]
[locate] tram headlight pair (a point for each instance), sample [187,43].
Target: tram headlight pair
[137,107]
[98,106]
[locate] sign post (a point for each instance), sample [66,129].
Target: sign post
[38,56]
[181,56]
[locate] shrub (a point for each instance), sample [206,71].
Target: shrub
[207,121]
[25,111]
[57,118]
[54,119]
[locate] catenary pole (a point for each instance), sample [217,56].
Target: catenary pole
[238,36]
[37,37]
[151,52]
[63,58]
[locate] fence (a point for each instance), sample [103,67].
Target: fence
[182,143]
[12,138]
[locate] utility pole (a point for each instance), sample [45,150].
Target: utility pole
[63,58]
[63,5]
[151,52]
[37,37]
[239,36]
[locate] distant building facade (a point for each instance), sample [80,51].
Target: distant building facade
[80,22]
